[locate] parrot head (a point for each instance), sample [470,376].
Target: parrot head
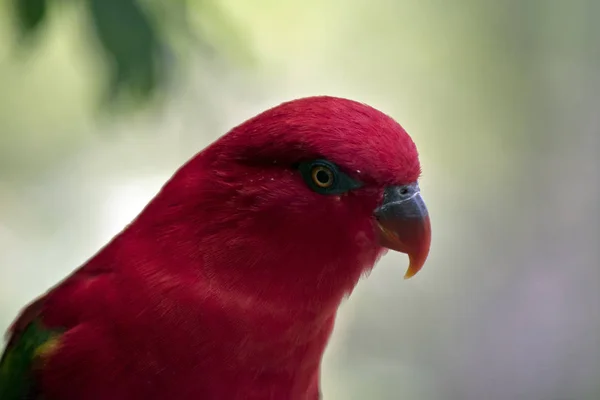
[311,192]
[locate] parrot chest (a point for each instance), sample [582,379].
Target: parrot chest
[175,345]
[241,354]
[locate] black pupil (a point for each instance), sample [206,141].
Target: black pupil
[323,177]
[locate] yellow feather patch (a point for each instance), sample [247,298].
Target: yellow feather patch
[46,349]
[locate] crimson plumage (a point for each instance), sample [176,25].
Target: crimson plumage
[227,284]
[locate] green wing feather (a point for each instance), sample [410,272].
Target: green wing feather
[24,351]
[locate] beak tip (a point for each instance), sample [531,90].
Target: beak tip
[412,270]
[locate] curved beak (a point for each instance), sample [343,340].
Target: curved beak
[404,226]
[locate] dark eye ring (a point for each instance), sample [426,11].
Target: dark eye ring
[322,176]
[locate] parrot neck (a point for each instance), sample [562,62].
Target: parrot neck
[256,323]
[261,259]
[278,325]
[249,276]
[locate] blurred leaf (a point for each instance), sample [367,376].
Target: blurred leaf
[133,46]
[30,14]
[140,40]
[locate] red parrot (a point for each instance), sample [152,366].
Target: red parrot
[227,284]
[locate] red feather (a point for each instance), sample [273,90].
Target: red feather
[226,286]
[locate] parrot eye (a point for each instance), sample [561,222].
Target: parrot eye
[322,176]
[325,177]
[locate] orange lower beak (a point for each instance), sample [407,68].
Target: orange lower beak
[403,224]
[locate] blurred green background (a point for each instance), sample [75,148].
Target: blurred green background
[102,100]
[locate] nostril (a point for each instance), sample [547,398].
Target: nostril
[404,191]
